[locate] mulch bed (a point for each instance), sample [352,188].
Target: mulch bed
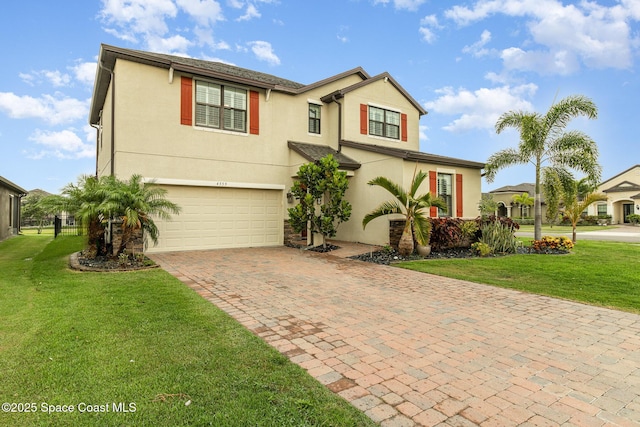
[389,256]
[79,261]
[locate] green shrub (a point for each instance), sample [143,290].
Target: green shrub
[481,249]
[499,236]
[633,218]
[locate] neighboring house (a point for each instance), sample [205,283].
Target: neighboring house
[226,143]
[506,206]
[10,195]
[623,193]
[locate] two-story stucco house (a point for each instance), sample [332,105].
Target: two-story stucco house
[623,196]
[10,195]
[226,143]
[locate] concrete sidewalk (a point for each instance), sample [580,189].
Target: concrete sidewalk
[623,233]
[412,349]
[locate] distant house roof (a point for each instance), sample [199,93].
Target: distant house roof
[413,155]
[314,152]
[11,186]
[219,70]
[525,187]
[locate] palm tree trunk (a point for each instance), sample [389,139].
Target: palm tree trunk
[537,206]
[405,246]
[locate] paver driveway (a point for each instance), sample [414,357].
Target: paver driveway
[409,348]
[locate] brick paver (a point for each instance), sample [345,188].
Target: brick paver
[409,348]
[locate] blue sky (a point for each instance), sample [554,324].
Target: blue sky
[466,62]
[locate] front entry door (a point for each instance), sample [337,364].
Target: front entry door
[627,209]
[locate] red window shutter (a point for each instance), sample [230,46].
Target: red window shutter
[433,189]
[254,113]
[403,124]
[459,195]
[364,119]
[186,101]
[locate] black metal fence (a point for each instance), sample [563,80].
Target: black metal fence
[67,227]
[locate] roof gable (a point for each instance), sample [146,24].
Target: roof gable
[620,174]
[623,186]
[384,76]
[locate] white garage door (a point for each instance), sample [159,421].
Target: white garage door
[216,218]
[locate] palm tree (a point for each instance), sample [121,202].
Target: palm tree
[544,140]
[135,202]
[414,208]
[523,199]
[83,200]
[576,197]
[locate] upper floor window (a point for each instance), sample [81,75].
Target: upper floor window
[445,192]
[384,123]
[221,107]
[314,118]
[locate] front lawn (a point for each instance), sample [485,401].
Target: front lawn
[600,273]
[137,348]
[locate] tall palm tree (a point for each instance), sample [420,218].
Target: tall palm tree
[136,202]
[414,208]
[543,140]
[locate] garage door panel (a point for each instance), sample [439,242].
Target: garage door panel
[214,218]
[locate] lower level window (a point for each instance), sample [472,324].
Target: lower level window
[445,192]
[602,209]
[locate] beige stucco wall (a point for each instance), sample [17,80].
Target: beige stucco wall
[383,95]
[616,199]
[5,231]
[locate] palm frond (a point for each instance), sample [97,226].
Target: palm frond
[501,160]
[386,208]
[396,190]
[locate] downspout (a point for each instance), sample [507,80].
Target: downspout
[97,128]
[334,99]
[113,117]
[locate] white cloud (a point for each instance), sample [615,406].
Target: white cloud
[250,13]
[54,77]
[567,35]
[427,25]
[480,109]
[65,144]
[402,4]
[478,48]
[176,45]
[264,52]
[139,16]
[204,12]
[85,72]
[52,109]
[422,133]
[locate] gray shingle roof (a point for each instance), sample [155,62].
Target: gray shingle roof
[314,152]
[413,155]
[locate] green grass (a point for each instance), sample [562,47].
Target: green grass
[68,338]
[566,228]
[600,273]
